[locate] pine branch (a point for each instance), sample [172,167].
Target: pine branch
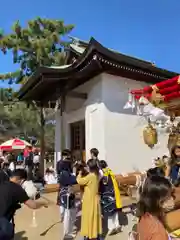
[10,75]
[40,43]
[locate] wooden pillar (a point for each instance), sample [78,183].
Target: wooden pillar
[42,143]
[62,110]
[57,139]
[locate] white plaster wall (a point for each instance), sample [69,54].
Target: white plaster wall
[125,149]
[116,132]
[92,110]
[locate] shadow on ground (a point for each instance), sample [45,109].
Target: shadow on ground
[19,236]
[123,221]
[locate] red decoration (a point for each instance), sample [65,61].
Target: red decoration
[168,82]
[171,96]
[167,97]
[137,97]
[168,89]
[159,86]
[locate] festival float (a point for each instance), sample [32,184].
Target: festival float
[162,102]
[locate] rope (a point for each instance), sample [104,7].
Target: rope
[138,180]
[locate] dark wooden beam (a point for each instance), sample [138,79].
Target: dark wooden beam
[31,90]
[75,94]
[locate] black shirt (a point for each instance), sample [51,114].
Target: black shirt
[29,160]
[4,176]
[64,165]
[11,195]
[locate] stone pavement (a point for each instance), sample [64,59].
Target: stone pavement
[47,225]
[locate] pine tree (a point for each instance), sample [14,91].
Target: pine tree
[42,43]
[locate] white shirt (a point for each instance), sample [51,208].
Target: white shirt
[50,179]
[12,166]
[101,174]
[36,159]
[30,189]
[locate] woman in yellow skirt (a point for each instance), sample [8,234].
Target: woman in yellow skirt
[91,223]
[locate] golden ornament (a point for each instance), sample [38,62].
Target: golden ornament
[178,81]
[174,136]
[150,135]
[156,97]
[160,163]
[172,140]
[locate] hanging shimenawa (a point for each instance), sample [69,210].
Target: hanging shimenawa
[150,135]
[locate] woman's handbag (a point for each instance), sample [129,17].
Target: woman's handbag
[67,199]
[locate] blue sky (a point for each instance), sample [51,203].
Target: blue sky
[146,29]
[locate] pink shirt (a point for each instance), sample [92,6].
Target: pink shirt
[150,228]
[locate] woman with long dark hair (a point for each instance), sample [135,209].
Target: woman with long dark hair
[155,200]
[172,170]
[91,224]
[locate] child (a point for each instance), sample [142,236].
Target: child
[150,173]
[110,198]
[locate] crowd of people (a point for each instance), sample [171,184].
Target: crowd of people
[28,159]
[99,197]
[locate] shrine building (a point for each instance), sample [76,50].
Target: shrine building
[93,87]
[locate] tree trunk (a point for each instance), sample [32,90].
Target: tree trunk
[42,143]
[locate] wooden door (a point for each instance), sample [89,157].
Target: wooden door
[77,131]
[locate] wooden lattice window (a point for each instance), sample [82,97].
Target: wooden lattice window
[78,136]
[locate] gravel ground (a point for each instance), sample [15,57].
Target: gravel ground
[47,226]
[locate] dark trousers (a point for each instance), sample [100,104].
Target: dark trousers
[29,173]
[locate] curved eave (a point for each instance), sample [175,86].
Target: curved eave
[61,72]
[94,49]
[125,59]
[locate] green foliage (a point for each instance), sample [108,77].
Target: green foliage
[18,120]
[6,95]
[41,43]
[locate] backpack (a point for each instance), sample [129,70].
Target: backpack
[65,178]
